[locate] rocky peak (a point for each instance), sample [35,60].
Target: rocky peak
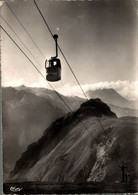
[96,107]
[58,130]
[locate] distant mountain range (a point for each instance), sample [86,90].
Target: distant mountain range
[76,148]
[27,112]
[118,104]
[110,96]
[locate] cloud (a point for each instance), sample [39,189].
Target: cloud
[13,83]
[125,88]
[22,81]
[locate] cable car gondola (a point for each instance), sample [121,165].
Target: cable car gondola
[53,67]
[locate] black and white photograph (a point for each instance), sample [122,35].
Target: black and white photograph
[69,96]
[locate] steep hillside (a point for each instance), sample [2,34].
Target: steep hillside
[28,111]
[24,119]
[110,96]
[69,151]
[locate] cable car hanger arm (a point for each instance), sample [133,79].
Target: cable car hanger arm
[55,38]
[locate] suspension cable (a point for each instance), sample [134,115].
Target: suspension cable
[44,57]
[51,86]
[55,90]
[25,30]
[64,58]
[71,70]
[20,40]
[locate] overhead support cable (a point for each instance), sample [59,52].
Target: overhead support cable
[25,30]
[70,68]
[53,88]
[50,85]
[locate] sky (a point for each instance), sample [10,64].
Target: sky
[98,38]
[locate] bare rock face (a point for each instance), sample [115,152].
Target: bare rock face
[84,146]
[97,108]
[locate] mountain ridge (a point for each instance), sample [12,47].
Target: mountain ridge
[34,109]
[91,108]
[67,152]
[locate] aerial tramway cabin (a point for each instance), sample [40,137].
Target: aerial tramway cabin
[53,67]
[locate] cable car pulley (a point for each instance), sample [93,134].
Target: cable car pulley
[53,67]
